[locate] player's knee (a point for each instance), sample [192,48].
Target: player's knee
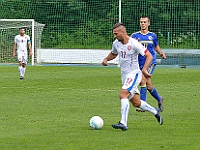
[135,100]
[124,94]
[149,87]
[143,82]
[135,103]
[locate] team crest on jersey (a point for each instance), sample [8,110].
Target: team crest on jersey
[150,38]
[129,47]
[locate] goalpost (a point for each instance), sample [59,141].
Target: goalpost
[9,28]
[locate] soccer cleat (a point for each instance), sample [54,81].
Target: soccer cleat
[139,110]
[21,78]
[160,104]
[120,126]
[158,117]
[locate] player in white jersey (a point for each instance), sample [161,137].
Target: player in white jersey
[128,49]
[21,42]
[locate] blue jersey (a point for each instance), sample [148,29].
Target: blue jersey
[150,41]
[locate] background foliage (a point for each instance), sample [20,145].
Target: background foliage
[87,24]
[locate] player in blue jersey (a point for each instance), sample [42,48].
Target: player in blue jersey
[150,41]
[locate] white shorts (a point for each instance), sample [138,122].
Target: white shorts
[22,56]
[131,81]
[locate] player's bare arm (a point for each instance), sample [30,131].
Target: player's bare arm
[30,48]
[14,49]
[159,51]
[110,56]
[148,61]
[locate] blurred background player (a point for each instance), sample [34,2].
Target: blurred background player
[21,42]
[128,49]
[150,41]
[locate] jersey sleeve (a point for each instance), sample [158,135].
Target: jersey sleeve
[155,40]
[28,39]
[134,36]
[114,50]
[140,48]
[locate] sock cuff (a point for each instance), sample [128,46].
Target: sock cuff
[143,85]
[124,99]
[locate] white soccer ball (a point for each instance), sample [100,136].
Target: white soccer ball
[96,123]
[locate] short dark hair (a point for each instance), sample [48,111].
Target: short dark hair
[117,25]
[145,17]
[22,28]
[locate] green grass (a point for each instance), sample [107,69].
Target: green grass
[50,110]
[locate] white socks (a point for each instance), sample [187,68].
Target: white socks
[124,110]
[125,105]
[147,107]
[21,71]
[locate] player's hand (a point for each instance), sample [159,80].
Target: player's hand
[146,74]
[104,62]
[163,55]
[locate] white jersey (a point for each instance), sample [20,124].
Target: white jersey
[22,42]
[128,54]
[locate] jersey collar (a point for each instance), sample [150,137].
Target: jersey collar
[144,33]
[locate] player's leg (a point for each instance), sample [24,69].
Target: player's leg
[143,88]
[128,81]
[135,100]
[124,111]
[152,90]
[20,68]
[24,62]
[23,69]
[143,91]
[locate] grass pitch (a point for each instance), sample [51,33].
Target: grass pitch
[51,108]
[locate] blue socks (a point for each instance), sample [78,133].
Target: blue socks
[143,93]
[155,94]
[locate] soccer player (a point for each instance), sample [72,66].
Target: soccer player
[128,49]
[21,42]
[150,41]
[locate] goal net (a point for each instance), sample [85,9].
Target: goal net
[79,31]
[9,29]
